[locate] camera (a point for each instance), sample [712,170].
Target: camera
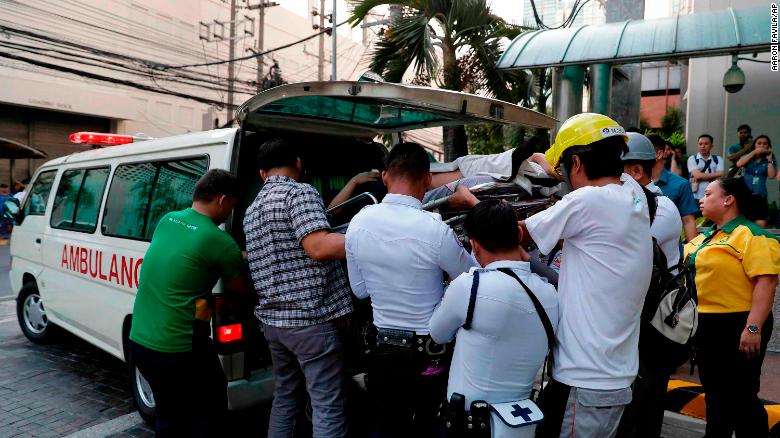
[734,79]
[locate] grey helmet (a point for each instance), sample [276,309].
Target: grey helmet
[640,148]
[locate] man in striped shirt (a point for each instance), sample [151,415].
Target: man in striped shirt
[303,292]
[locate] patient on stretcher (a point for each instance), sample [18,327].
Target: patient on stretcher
[517,166]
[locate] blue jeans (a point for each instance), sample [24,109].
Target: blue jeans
[307,358]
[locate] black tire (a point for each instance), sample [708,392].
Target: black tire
[32,315]
[143,397]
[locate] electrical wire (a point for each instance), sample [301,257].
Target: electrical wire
[575,10]
[92,36]
[140,63]
[177,49]
[110,79]
[70,51]
[101,63]
[255,55]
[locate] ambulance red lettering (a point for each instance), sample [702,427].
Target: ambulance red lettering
[113,272]
[93,263]
[127,271]
[74,258]
[137,268]
[88,261]
[83,260]
[100,268]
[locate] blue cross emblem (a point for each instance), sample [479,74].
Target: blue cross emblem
[521,412]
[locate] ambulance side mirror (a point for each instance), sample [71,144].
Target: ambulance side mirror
[12,210]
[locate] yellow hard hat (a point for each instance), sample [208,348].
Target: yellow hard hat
[581,130]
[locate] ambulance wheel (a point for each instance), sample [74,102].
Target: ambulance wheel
[143,397]
[32,315]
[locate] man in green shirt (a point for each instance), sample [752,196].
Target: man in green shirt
[169,337]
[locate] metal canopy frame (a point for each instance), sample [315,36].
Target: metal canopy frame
[10,149]
[713,33]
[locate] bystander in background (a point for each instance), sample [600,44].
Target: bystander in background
[743,145]
[758,165]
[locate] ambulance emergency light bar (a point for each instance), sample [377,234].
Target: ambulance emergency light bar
[104,139]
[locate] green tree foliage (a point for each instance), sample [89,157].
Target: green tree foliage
[671,121]
[465,35]
[486,139]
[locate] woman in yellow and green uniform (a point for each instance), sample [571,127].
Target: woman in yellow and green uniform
[735,265]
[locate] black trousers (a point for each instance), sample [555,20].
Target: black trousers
[404,401]
[644,416]
[190,390]
[731,381]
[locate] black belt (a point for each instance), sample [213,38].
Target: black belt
[408,341]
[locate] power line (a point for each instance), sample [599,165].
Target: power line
[109,79]
[575,10]
[121,68]
[254,55]
[178,49]
[187,74]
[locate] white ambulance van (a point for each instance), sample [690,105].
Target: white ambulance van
[82,232]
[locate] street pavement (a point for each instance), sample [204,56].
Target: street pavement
[70,388]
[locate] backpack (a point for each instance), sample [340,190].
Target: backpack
[670,315]
[706,168]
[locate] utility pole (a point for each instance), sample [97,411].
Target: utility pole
[321,54]
[260,35]
[334,29]
[231,56]
[260,29]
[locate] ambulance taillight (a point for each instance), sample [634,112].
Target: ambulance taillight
[229,333]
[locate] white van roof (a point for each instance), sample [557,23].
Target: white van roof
[216,136]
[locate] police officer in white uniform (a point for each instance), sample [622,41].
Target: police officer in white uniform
[644,416]
[501,348]
[398,255]
[638,162]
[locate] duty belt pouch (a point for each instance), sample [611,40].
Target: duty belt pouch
[453,414]
[478,420]
[393,339]
[459,423]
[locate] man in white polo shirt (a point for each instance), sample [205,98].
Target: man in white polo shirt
[704,167]
[605,272]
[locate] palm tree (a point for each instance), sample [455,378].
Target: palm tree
[464,34]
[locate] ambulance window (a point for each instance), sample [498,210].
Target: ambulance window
[142,193]
[39,194]
[173,190]
[78,199]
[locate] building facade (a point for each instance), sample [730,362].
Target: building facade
[554,12]
[136,66]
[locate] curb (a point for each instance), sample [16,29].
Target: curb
[8,298]
[687,398]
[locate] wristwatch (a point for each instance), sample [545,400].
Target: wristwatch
[752,328]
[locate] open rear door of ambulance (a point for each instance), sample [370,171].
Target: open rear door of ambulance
[365,109]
